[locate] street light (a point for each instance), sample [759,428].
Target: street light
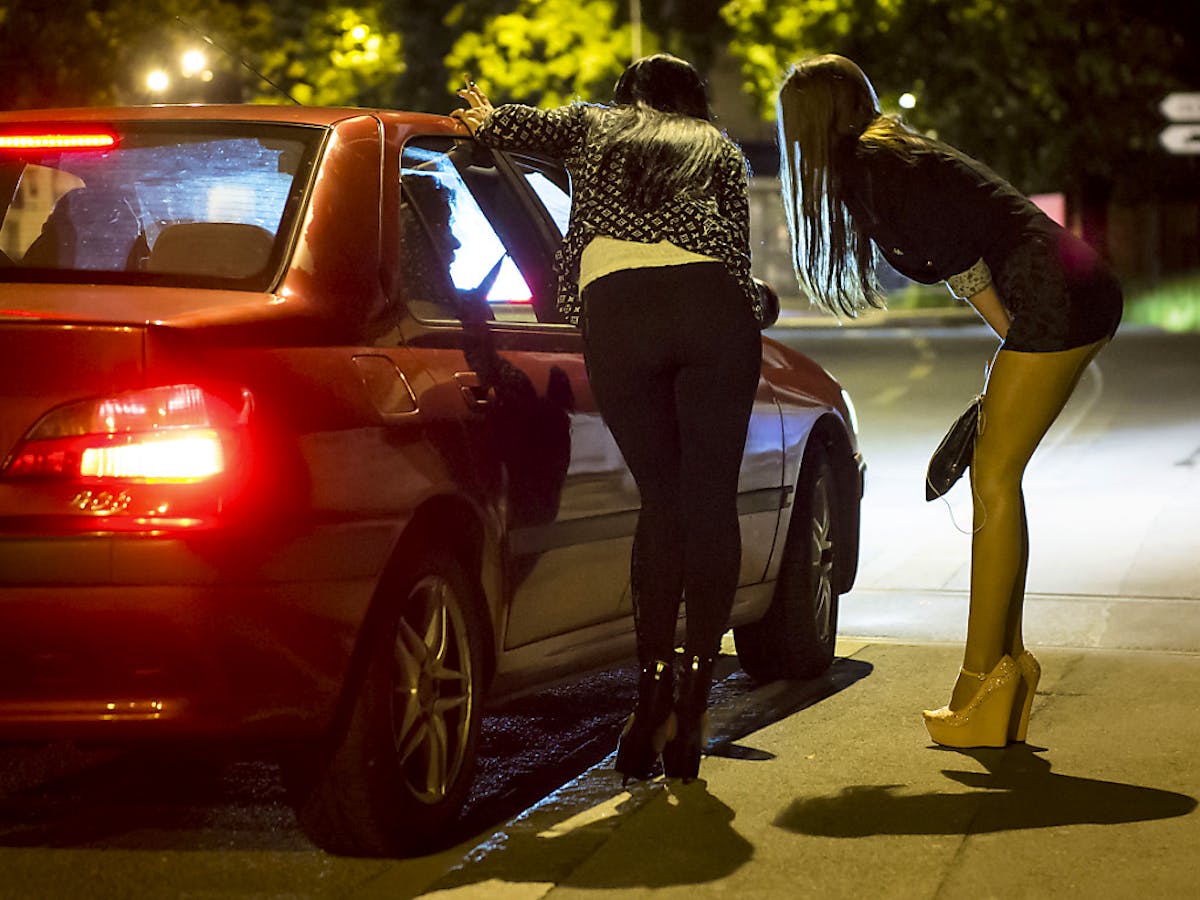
[192,63]
[907,100]
[157,81]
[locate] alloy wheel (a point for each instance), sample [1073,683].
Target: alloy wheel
[433,694]
[821,557]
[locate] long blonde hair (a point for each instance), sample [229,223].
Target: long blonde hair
[826,109]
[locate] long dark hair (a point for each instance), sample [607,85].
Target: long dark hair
[663,143]
[827,108]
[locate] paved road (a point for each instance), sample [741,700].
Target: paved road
[1112,493]
[1112,498]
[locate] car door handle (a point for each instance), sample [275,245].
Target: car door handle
[477,394]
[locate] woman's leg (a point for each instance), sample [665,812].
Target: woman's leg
[642,420]
[1025,393]
[721,353]
[1013,639]
[632,376]
[714,397]
[714,405]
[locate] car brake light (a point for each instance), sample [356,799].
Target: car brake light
[58,140]
[182,457]
[175,434]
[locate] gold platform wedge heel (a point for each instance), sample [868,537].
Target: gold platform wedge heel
[984,721]
[1030,671]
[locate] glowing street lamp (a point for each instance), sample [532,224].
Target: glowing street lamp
[157,81]
[192,63]
[907,100]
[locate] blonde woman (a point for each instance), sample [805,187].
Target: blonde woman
[856,182]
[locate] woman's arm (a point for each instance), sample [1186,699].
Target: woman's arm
[974,285]
[991,310]
[550,132]
[513,126]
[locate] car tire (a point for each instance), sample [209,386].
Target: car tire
[398,771]
[795,638]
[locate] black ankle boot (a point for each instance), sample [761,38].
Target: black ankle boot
[651,725]
[681,757]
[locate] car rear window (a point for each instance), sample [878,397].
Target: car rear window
[188,204]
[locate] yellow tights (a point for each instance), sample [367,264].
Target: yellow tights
[1024,395]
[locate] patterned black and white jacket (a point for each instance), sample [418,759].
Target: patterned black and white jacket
[715,224]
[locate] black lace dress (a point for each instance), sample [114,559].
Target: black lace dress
[936,215]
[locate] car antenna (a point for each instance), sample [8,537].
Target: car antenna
[236,58]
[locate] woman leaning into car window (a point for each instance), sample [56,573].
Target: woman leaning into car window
[852,178]
[655,268]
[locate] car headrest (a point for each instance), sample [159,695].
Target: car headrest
[216,249]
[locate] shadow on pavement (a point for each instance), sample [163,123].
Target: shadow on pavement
[685,835]
[660,833]
[740,706]
[535,744]
[1018,791]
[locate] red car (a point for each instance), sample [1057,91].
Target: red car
[293,447]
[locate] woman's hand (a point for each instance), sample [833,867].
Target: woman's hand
[479,107]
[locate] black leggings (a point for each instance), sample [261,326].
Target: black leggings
[673,356]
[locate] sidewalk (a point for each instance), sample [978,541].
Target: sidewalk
[832,789]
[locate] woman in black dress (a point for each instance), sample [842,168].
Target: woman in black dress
[856,181]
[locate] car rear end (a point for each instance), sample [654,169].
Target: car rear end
[145,585]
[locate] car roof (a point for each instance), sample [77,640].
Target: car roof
[322,116]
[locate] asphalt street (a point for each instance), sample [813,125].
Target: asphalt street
[826,787]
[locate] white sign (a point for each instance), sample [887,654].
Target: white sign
[1181,138]
[1181,107]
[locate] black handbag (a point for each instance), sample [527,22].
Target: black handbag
[770,304]
[953,455]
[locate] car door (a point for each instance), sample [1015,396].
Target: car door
[479,293]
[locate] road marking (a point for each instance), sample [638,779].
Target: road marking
[922,369]
[891,395]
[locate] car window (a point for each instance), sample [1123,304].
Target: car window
[552,186]
[452,251]
[176,203]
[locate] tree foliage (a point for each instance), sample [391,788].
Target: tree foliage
[547,52]
[334,55]
[92,53]
[88,53]
[1050,94]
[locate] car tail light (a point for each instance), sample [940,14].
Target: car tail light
[166,435]
[57,139]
